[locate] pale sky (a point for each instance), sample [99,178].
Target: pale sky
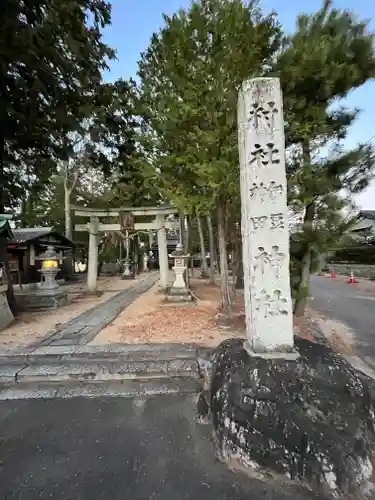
[134,22]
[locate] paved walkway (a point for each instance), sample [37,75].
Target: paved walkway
[118,449]
[83,328]
[351,306]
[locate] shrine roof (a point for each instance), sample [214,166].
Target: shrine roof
[33,234]
[367,214]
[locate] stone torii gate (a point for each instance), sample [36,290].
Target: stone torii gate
[94,227]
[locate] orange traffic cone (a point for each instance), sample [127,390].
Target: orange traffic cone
[352,280]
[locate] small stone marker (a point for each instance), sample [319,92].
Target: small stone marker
[265,233]
[179,291]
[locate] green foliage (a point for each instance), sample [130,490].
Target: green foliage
[330,54]
[355,253]
[105,167]
[51,59]
[116,151]
[190,77]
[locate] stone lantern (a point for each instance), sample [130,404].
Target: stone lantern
[179,291]
[127,273]
[47,294]
[49,269]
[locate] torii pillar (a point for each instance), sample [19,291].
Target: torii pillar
[92,271]
[162,251]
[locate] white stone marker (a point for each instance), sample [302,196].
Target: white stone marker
[265,234]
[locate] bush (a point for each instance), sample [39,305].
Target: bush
[355,254]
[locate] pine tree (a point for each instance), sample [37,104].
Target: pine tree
[330,54]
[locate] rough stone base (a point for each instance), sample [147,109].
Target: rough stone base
[41,300]
[178,295]
[310,420]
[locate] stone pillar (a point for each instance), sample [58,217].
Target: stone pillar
[92,271]
[145,262]
[150,239]
[162,250]
[32,255]
[265,235]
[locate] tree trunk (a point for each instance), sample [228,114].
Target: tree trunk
[226,296]
[239,270]
[99,268]
[24,213]
[188,234]
[205,273]
[182,229]
[303,287]
[234,260]
[68,262]
[3,127]
[211,245]
[3,123]
[189,270]
[304,278]
[68,213]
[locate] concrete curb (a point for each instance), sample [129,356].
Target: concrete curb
[355,361]
[127,388]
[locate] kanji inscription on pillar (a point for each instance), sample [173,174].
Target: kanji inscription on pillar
[265,234]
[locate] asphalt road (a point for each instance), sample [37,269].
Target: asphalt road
[351,306]
[117,449]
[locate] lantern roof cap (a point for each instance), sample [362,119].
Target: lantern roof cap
[179,252]
[49,254]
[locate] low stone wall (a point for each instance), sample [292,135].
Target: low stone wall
[111,268]
[360,270]
[311,420]
[39,301]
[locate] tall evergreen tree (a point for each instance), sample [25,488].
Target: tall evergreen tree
[190,77]
[330,54]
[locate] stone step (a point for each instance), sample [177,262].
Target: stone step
[137,352]
[84,369]
[101,364]
[114,388]
[124,370]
